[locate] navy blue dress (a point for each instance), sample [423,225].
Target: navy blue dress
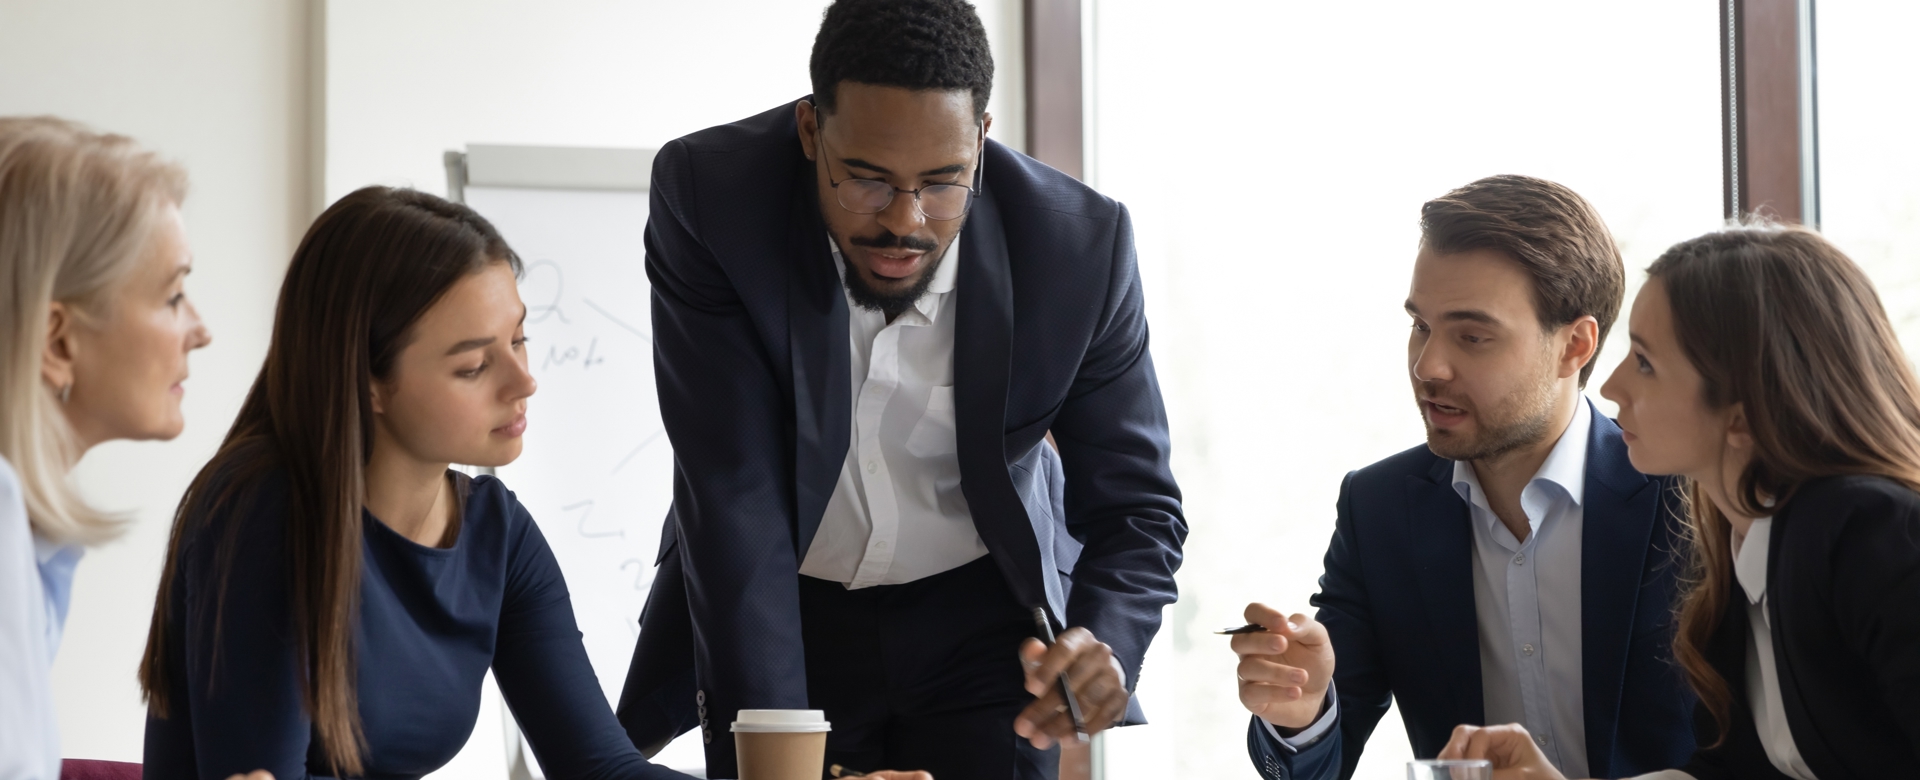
[431,623]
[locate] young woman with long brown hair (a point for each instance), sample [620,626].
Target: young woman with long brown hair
[95,329]
[1764,369]
[334,595]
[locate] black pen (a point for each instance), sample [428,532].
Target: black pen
[1250,628]
[841,771]
[1066,690]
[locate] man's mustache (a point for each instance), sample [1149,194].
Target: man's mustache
[887,240]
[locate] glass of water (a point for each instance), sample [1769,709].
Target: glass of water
[1476,769]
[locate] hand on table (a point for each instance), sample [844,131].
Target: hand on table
[889,774]
[1284,672]
[1098,684]
[1509,747]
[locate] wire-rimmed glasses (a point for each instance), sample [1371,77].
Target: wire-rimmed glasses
[938,202]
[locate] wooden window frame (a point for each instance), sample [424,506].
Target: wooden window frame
[1770,151]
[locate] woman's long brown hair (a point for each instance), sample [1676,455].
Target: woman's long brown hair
[365,272]
[1779,321]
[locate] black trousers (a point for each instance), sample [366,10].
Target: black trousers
[924,675]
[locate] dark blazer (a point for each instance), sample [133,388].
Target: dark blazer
[751,359]
[1397,600]
[1843,598]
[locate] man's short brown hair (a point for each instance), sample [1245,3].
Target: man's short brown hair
[1550,231]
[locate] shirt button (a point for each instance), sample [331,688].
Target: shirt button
[1520,560]
[1542,739]
[872,467]
[1526,650]
[881,545]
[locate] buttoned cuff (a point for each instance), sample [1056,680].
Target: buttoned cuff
[1314,733]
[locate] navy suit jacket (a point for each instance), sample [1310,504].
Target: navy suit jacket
[1397,600]
[751,358]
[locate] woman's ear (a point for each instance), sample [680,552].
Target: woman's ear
[56,360]
[1739,434]
[375,391]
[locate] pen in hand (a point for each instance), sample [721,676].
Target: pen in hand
[1066,689]
[1250,628]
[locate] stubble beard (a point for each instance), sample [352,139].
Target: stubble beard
[1519,420]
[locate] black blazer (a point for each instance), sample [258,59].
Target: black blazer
[1397,600]
[751,358]
[1843,596]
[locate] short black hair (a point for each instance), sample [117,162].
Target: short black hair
[912,44]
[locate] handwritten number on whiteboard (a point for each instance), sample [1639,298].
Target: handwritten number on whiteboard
[586,511]
[638,575]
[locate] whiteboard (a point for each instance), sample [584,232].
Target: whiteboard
[597,469]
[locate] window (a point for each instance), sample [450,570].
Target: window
[1274,157]
[1869,165]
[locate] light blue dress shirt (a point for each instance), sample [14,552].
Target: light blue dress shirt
[1526,596]
[36,585]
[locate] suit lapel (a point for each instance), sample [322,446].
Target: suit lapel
[982,362]
[817,340]
[1618,522]
[1440,543]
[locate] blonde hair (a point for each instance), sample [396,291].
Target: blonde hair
[77,209]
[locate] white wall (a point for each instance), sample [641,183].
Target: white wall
[219,85]
[407,81]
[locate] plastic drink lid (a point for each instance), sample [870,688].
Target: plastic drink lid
[782,722]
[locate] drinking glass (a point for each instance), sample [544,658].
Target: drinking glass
[1477,769]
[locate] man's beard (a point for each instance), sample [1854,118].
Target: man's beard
[892,304]
[1520,420]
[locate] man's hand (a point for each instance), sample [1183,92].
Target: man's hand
[888,774]
[1284,672]
[1098,684]
[1509,747]
[262,774]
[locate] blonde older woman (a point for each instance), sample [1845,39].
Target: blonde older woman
[95,328]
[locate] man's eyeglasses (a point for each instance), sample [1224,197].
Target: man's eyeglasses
[938,202]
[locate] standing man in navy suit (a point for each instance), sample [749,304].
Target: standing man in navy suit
[867,317]
[1516,568]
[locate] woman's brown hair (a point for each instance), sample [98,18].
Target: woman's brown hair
[1779,321]
[366,271]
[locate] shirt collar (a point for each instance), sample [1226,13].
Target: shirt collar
[945,276]
[1565,468]
[1750,559]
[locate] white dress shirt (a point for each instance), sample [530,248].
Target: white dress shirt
[1763,676]
[36,578]
[1526,600]
[897,513]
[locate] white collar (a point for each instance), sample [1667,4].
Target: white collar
[944,276]
[1750,558]
[1564,468]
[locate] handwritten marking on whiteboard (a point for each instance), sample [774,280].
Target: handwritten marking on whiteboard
[616,320]
[556,357]
[636,451]
[531,282]
[586,508]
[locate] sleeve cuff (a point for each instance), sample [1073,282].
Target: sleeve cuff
[1313,733]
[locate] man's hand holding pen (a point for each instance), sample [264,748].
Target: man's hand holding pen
[1284,670]
[1098,683]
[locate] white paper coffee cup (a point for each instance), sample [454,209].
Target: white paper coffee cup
[781,744]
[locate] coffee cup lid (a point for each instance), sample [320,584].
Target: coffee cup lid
[781,722]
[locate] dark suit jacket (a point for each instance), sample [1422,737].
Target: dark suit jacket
[1397,600]
[751,358]
[1843,598]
